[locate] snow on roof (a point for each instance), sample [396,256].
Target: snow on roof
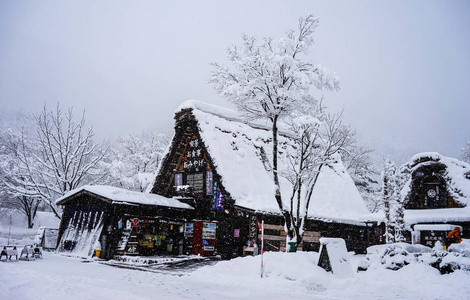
[456,174]
[436,227]
[237,148]
[120,195]
[441,215]
[416,216]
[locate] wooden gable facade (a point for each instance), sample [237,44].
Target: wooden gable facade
[188,172]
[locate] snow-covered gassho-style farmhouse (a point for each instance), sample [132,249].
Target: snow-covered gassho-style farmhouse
[436,199]
[212,188]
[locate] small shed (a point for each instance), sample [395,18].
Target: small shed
[46,237]
[121,221]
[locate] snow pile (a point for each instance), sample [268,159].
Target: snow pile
[338,257]
[283,272]
[241,151]
[401,255]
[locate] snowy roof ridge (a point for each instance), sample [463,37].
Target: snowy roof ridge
[436,157]
[241,150]
[123,196]
[229,115]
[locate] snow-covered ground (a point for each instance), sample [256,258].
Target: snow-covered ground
[287,276]
[13,226]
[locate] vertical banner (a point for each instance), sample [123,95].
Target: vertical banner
[209,183]
[219,203]
[178,179]
[214,196]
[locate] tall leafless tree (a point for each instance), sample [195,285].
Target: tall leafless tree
[10,150]
[270,80]
[64,157]
[318,139]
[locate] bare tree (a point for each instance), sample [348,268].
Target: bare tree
[10,198]
[270,80]
[465,153]
[134,162]
[319,138]
[63,158]
[361,167]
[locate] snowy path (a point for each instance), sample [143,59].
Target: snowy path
[58,277]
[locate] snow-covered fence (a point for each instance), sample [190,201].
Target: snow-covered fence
[275,238]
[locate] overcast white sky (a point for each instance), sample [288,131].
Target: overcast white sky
[404,65]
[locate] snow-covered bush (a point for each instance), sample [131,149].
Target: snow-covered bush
[398,255]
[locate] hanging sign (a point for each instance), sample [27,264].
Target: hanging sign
[178,179]
[194,156]
[136,223]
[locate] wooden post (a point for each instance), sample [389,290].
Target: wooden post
[9,231]
[262,247]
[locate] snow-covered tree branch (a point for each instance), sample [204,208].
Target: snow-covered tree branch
[319,139]
[133,163]
[60,158]
[271,79]
[12,178]
[465,153]
[358,162]
[393,182]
